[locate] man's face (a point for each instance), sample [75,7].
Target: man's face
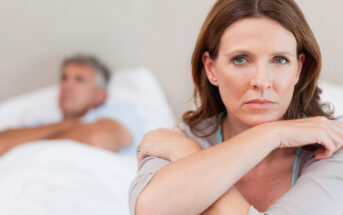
[78,90]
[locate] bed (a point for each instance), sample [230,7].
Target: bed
[64,177]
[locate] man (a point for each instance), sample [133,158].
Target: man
[82,95]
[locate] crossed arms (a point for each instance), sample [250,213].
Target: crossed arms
[104,133]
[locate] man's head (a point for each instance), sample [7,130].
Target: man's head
[83,85]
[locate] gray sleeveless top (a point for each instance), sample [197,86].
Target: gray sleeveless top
[318,187]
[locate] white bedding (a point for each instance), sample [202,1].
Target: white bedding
[64,178]
[333,93]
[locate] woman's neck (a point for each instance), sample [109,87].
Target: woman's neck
[231,126]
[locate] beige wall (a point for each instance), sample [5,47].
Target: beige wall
[325,19]
[158,34]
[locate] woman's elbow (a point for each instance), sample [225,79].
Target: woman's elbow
[146,206]
[142,209]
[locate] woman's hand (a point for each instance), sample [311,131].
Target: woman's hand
[168,144]
[313,130]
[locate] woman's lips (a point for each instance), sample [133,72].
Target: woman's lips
[258,104]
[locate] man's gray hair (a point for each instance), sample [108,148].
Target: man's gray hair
[102,75]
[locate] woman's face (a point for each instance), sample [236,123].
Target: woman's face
[256,69]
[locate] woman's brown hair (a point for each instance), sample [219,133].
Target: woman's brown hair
[306,97]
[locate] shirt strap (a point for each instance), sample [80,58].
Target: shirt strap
[219,131]
[295,165]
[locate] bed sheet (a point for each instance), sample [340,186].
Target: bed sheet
[64,177]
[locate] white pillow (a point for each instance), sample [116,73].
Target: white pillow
[332,93]
[129,86]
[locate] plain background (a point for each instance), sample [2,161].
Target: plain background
[157,34]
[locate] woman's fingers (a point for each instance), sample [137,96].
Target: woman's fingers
[154,144]
[176,128]
[167,144]
[314,130]
[319,154]
[334,131]
[328,133]
[326,137]
[338,134]
[338,126]
[139,153]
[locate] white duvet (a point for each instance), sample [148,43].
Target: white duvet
[66,177]
[63,177]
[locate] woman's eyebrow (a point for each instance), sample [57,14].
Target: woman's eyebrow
[238,51]
[247,52]
[283,53]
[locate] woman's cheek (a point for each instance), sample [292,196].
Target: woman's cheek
[231,93]
[285,90]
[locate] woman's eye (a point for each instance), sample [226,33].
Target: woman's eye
[281,60]
[239,60]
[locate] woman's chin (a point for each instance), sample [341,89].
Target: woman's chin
[259,119]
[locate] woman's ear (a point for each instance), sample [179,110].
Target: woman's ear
[301,60]
[209,68]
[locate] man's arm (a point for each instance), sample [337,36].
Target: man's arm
[104,133]
[13,137]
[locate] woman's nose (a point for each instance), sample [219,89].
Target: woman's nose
[261,80]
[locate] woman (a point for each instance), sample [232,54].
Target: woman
[259,140]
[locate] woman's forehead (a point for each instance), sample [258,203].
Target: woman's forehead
[260,33]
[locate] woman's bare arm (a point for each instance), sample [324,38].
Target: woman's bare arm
[192,184]
[232,202]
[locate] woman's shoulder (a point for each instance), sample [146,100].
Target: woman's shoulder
[306,158]
[203,132]
[333,164]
